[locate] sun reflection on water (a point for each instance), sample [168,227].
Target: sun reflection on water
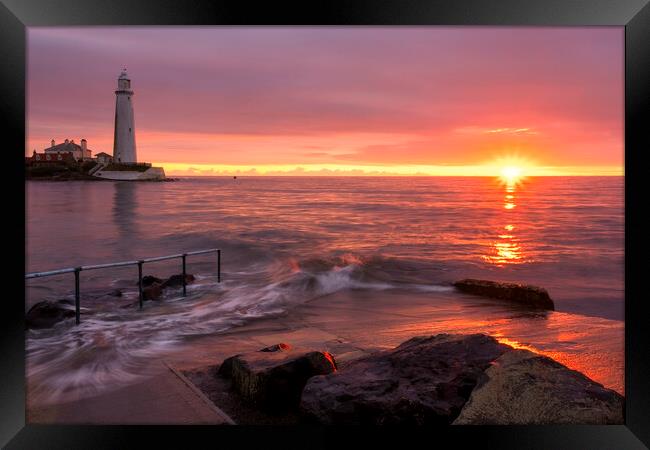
[506,250]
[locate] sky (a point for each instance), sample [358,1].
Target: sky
[338,100]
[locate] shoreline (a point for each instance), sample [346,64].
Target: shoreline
[76,177]
[91,178]
[353,324]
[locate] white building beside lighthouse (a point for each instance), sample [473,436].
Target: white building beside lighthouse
[124,150]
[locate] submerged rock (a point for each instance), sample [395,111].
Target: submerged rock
[46,313]
[177,280]
[533,296]
[153,286]
[425,380]
[173,281]
[115,293]
[274,377]
[152,292]
[525,388]
[148,280]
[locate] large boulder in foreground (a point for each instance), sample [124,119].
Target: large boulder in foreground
[426,380]
[532,296]
[275,376]
[524,388]
[46,313]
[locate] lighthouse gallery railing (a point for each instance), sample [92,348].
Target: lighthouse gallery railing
[77,271]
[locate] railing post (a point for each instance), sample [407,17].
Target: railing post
[219,266]
[184,276]
[77,296]
[140,283]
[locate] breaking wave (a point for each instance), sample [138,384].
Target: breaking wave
[114,342]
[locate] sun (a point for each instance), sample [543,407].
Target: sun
[511,174]
[512,170]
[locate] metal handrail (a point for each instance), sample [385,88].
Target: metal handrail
[139,263]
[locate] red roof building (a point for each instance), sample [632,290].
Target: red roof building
[38,159]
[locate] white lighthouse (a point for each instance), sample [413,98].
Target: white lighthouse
[124,141]
[124,151]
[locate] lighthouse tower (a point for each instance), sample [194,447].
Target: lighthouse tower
[124,140]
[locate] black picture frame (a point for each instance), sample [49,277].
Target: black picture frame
[634,15]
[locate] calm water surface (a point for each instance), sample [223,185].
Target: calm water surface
[288,240]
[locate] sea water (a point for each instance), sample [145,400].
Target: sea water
[290,240]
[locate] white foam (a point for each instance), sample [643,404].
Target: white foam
[109,348]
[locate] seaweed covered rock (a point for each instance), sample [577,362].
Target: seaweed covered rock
[532,296]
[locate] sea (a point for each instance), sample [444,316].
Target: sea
[286,241]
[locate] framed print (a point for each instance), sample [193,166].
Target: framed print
[363,215]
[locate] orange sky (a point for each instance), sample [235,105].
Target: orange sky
[335,100]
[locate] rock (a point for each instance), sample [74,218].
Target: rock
[177,280]
[225,369]
[533,296]
[46,313]
[524,388]
[425,380]
[153,286]
[276,348]
[273,378]
[115,293]
[148,280]
[152,292]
